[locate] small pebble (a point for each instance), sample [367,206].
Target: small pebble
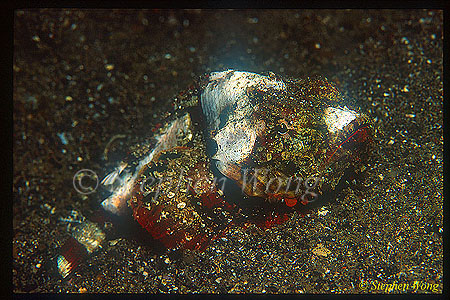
[323,211]
[321,250]
[62,137]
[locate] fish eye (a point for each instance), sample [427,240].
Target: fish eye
[281,128]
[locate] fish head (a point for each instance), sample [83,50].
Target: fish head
[280,137]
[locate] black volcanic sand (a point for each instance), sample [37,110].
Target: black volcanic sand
[91,75]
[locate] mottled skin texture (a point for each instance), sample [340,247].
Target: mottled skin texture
[176,199]
[190,210]
[296,141]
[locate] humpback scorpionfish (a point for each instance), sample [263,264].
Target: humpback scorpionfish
[236,144]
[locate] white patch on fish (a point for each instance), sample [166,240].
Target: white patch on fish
[337,118]
[226,93]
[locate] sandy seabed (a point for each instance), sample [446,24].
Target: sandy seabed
[83,77]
